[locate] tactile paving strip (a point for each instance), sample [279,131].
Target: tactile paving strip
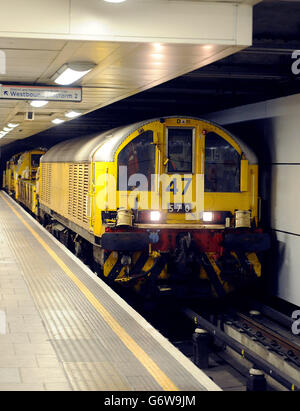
[92,354]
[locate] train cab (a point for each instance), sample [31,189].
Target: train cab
[161,203]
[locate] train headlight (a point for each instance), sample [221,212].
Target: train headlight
[207,216]
[217,217]
[155,215]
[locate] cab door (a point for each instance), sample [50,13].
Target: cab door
[181,189]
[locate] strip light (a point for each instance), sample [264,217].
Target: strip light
[39,103]
[58,121]
[71,72]
[72,114]
[7,129]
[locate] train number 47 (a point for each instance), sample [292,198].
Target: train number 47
[172,187]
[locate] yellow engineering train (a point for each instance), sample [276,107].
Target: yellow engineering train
[10,173]
[20,178]
[166,206]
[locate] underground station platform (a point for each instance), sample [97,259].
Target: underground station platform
[64,329]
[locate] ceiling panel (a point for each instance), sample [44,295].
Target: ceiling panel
[31,62]
[135,46]
[31,44]
[122,69]
[257,73]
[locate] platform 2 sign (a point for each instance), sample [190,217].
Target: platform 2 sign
[48,93]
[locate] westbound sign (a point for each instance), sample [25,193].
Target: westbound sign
[49,93]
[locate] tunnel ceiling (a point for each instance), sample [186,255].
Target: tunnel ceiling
[260,72]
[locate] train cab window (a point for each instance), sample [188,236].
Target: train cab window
[139,158]
[180,150]
[35,160]
[222,165]
[16,159]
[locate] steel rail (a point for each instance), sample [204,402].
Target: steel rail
[245,352]
[270,334]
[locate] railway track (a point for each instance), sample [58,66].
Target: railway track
[264,341]
[274,338]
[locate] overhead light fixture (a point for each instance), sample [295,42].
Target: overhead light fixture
[72,114]
[7,129]
[114,1]
[158,46]
[58,121]
[71,72]
[39,103]
[157,56]
[12,125]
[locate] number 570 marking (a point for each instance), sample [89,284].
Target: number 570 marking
[172,187]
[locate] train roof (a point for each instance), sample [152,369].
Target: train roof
[103,146]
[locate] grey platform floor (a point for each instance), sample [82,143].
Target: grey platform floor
[62,328]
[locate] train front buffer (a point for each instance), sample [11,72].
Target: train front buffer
[195,263]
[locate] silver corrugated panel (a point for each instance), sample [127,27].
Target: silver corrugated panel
[102,147]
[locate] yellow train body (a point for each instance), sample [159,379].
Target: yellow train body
[10,174]
[88,188]
[21,178]
[168,188]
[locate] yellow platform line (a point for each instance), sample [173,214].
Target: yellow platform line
[160,377]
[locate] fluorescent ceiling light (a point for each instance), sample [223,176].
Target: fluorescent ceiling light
[39,103]
[71,72]
[57,121]
[157,56]
[72,114]
[7,129]
[12,125]
[157,47]
[114,1]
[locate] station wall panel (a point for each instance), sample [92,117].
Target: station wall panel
[285,152]
[285,198]
[285,139]
[286,284]
[275,124]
